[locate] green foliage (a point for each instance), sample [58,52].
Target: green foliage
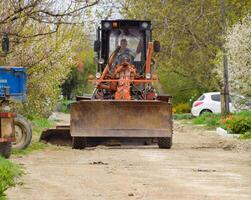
[246,136]
[9,175]
[237,123]
[241,125]
[65,105]
[49,51]
[201,119]
[182,116]
[208,119]
[246,113]
[191,36]
[182,108]
[77,81]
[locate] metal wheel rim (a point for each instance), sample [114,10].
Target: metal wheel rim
[20,134]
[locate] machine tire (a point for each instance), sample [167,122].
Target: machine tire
[165,142]
[23,126]
[5,149]
[79,142]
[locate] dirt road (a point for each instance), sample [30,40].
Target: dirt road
[200,166]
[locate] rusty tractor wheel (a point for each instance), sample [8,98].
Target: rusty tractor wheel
[5,149]
[79,142]
[165,142]
[23,133]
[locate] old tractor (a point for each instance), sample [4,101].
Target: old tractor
[124,103]
[15,130]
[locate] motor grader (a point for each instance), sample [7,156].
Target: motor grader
[124,103]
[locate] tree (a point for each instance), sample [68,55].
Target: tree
[77,81]
[44,36]
[191,36]
[239,49]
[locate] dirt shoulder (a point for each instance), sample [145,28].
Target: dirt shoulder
[201,165]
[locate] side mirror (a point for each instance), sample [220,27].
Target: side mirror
[5,43]
[97,46]
[156,46]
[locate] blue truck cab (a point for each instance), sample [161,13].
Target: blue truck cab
[13,83]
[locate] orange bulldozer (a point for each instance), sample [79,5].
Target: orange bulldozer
[124,103]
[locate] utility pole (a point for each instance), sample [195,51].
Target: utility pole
[225,91]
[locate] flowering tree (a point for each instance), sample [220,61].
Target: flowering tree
[47,37]
[239,49]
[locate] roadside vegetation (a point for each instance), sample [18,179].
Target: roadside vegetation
[9,176]
[236,123]
[190,61]
[39,124]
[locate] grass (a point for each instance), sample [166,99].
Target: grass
[208,119]
[181,116]
[38,125]
[246,136]
[9,176]
[65,106]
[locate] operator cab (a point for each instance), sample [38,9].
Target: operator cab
[132,37]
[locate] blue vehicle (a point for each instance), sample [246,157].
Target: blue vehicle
[13,83]
[15,130]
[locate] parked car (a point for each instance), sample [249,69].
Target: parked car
[209,102]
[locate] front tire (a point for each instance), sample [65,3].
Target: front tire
[23,133]
[79,142]
[165,142]
[5,149]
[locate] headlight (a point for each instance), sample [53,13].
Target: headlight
[148,76]
[144,25]
[107,25]
[101,61]
[98,75]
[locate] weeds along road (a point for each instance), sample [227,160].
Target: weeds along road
[200,166]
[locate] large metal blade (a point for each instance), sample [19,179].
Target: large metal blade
[110,118]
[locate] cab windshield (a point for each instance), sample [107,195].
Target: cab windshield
[134,42]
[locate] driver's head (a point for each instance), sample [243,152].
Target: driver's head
[123,44]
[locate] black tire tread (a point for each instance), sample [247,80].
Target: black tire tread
[23,124]
[5,149]
[79,142]
[165,142]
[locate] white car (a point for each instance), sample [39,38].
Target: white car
[209,102]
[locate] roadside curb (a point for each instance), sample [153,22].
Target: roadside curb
[224,133]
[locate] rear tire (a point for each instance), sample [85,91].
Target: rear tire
[205,112]
[165,142]
[5,149]
[23,133]
[79,142]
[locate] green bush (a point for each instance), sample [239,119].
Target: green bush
[65,105]
[9,174]
[241,124]
[246,136]
[182,108]
[183,116]
[212,121]
[205,118]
